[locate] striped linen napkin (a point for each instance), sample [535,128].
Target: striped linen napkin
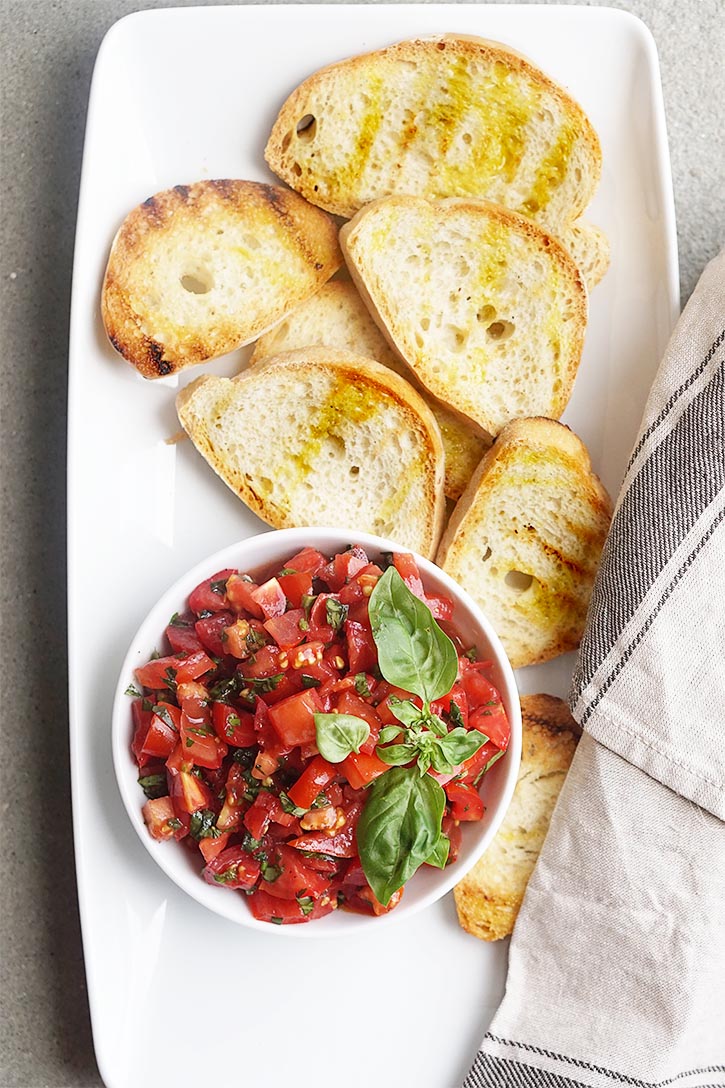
[617,962]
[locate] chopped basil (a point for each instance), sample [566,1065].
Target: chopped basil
[133,692]
[306,904]
[153,785]
[163,713]
[233,722]
[176,621]
[201,825]
[361,685]
[146,704]
[289,806]
[310,681]
[471,654]
[321,801]
[285,571]
[174,823]
[336,613]
[303,624]
[270,873]
[307,600]
[254,639]
[170,678]
[489,765]
[200,732]
[277,921]
[318,856]
[249,843]
[155,655]
[224,690]
[245,756]
[454,713]
[189,742]
[262,684]
[228,875]
[220,586]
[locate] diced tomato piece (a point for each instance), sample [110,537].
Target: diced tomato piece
[441,607]
[296,586]
[212,847]
[210,595]
[233,868]
[466,803]
[456,695]
[161,820]
[258,815]
[309,559]
[362,653]
[492,721]
[295,877]
[479,690]
[287,912]
[294,717]
[367,895]
[182,637]
[285,629]
[163,732]
[264,663]
[211,631]
[361,768]
[270,598]
[320,629]
[304,657]
[141,721]
[159,673]
[178,761]
[189,794]
[194,666]
[407,568]
[341,844]
[345,566]
[239,594]
[200,743]
[316,775]
[473,766]
[348,702]
[234,726]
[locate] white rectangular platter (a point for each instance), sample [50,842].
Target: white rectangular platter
[180,997]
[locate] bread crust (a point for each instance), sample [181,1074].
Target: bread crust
[467,524]
[489,897]
[411,51]
[143,332]
[399,331]
[352,369]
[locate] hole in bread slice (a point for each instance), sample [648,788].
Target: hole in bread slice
[197,283]
[518,581]
[500,330]
[306,128]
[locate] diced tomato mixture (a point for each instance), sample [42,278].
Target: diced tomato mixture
[224,731]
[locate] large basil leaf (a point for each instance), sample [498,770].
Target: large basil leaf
[399,828]
[413,652]
[338,735]
[439,857]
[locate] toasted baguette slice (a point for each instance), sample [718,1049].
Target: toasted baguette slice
[525,538]
[323,436]
[490,895]
[435,117]
[588,246]
[486,308]
[199,270]
[336,317]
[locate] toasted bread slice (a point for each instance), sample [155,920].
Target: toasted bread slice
[336,317]
[199,270]
[490,895]
[435,117]
[323,436]
[525,538]
[588,246]
[487,309]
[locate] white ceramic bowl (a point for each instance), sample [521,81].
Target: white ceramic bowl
[184,866]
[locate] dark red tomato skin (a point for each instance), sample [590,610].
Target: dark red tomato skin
[210,631]
[182,637]
[206,599]
[318,774]
[233,868]
[294,717]
[295,878]
[492,721]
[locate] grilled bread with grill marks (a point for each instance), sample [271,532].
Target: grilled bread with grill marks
[490,895]
[487,309]
[435,117]
[526,536]
[199,270]
[323,436]
[336,317]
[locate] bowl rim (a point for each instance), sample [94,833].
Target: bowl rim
[280,543]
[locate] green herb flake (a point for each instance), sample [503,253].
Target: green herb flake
[361,685]
[133,692]
[220,586]
[310,681]
[176,621]
[270,873]
[306,904]
[163,713]
[336,613]
[454,713]
[471,653]
[307,600]
[262,684]
[303,624]
[233,722]
[201,825]
[289,806]
[153,785]
[276,921]
[146,704]
[174,823]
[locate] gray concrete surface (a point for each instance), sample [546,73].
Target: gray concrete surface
[48,48]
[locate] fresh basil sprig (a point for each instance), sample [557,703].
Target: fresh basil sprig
[399,828]
[413,652]
[339,735]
